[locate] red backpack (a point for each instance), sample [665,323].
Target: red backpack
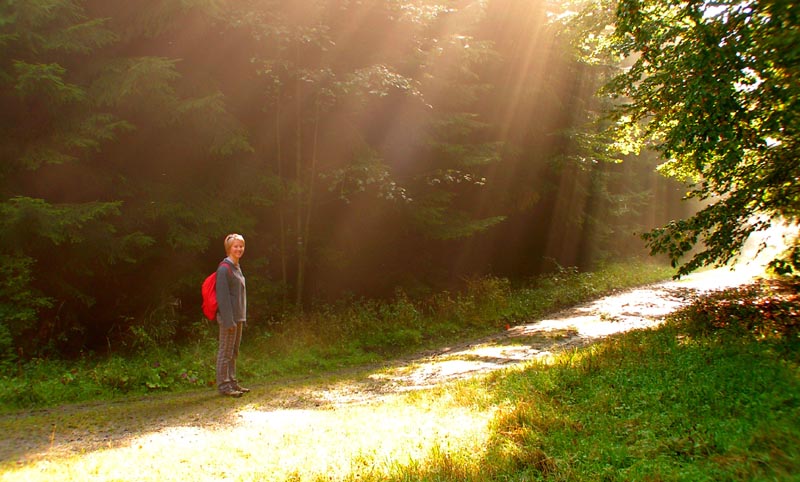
[209,292]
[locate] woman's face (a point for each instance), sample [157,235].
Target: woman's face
[237,250]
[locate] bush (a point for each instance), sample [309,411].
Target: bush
[763,311]
[20,303]
[7,355]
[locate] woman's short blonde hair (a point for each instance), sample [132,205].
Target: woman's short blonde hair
[229,239]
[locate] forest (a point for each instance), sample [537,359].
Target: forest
[485,240]
[360,147]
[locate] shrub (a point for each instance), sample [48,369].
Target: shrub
[20,303]
[7,355]
[763,311]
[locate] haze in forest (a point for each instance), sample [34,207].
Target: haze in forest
[360,147]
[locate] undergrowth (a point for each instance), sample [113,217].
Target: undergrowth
[350,333]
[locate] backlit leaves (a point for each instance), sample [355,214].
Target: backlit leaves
[710,85]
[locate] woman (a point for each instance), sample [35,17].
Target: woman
[231,315]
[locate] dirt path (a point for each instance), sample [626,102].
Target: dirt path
[37,435]
[580,325]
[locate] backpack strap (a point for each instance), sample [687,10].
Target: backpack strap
[227,264]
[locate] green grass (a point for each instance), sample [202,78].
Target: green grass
[648,407]
[349,334]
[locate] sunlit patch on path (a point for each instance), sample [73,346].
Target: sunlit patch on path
[287,444]
[634,309]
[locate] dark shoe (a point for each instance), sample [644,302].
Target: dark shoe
[240,388]
[231,393]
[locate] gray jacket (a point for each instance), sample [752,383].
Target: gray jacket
[231,295]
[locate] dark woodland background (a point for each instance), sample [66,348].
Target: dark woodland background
[360,147]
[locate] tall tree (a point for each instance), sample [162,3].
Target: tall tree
[713,87]
[365,144]
[50,123]
[337,78]
[88,177]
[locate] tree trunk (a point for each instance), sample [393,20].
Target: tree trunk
[311,177]
[281,206]
[301,246]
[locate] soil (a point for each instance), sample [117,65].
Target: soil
[75,429]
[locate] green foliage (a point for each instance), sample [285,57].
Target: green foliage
[84,116]
[440,222]
[379,81]
[53,26]
[132,80]
[33,228]
[49,383]
[19,301]
[788,263]
[353,143]
[156,329]
[712,88]
[367,172]
[7,352]
[45,81]
[39,35]
[32,231]
[59,224]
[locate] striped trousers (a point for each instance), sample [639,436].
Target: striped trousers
[229,340]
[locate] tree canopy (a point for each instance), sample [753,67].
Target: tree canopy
[713,88]
[360,147]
